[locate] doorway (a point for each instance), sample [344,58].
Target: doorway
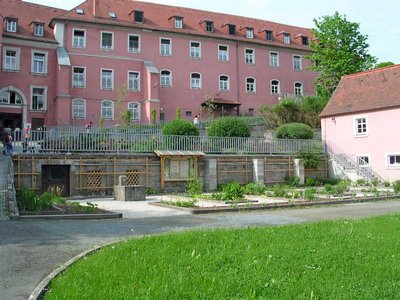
[55,179]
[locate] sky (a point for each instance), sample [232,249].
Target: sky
[380,21]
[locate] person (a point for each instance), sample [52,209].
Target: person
[89,126]
[26,139]
[9,146]
[196,121]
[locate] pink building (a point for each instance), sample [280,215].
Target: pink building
[105,57]
[361,121]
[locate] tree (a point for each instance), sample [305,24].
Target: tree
[384,64]
[339,49]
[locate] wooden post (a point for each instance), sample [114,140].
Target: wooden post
[162,173]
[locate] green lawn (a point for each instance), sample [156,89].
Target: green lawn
[328,260]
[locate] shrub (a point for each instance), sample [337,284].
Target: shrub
[254,189]
[309,193]
[386,183]
[180,127]
[292,181]
[232,191]
[229,127]
[309,181]
[26,200]
[361,182]
[311,158]
[294,131]
[194,187]
[279,191]
[396,187]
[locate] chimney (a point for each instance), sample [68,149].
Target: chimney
[96,7]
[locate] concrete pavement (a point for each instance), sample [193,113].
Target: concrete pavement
[30,250]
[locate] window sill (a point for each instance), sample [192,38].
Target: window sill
[195,58]
[39,74]
[133,91]
[134,51]
[79,118]
[250,92]
[394,167]
[165,55]
[38,111]
[274,67]
[361,135]
[107,89]
[78,47]
[166,86]
[79,86]
[11,70]
[107,49]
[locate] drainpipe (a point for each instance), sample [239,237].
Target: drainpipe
[237,76]
[95,7]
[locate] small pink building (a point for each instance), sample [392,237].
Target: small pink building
[105,57]
[362,121]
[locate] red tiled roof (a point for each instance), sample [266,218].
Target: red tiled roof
[26,14]
[371,90]
[156,17]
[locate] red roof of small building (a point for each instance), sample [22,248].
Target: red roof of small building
[27,14]
[158,17]
[371,90]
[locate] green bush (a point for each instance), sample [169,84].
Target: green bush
[195,187]
[180,127]
[229,127]
[232,191]
[396,187]
[310,193]
[292,181]
[279,191]
[26,200]
[254,189]
[294,131]
[311,158]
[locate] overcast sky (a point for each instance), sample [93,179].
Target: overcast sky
[379,20]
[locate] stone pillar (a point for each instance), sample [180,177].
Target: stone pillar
[258,171]
[299,170]
[210,176]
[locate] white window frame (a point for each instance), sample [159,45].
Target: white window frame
[106,48]
[5,98]
[209,25]
[132,50]
[274,60]
[356,123]
[45,61]
[195,83]
[251,87]
[178,22]
[73,77]
[272,87]
[101,79]
[36,27]
[195,52]
[80,39]
[249,58]
[78,116]
[17,58]
[249,33]
[44,88]
[11,25]
[165,47]
[223,55]
[360,157]
[224,85]
[132,110]
[298,91]
[388,164]
[286,38]
[137,79]
[297,63]
[112,110]
[163,78]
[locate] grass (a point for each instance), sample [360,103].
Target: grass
[356,259]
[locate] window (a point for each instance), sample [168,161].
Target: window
[231,29]
[286,38]
[250,85]
[223,54]
[107,79]
[133,81]
[11,25]
[11,59]
[304,40]
[195,81]
[249,33]
[298,89]
[134,43]
[249,56]
[297,65]
[79,11]
[112,14]
[138,16]
[38,101]
[134,108]
[39,62]
[38,29]
[274,59]
[178,22]
[209,26]
[361,126]
[107,40]
[275,87]
[165,78]
[223,83]
[268,35]
[188,114]
[79,38]
[78,109]
[362,160]
[195,50]
[10,97]
[107,109]
[393,160]
[78,77]
[165,47]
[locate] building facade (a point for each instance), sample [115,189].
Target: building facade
[103,58]
[362,121]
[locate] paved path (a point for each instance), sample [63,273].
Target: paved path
[4,168]
[29,250]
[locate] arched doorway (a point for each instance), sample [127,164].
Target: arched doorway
[13,108]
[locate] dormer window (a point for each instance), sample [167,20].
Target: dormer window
[112,15]
[268,35]
[12,25]
[79,11]
[286,38]
[38,29]
[209,26]
[178,22]
[231,29]
[304,40]
[138,16]
[249,32]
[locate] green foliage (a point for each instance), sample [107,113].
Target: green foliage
[375,182]
[338,49]
[294,131]
[292,181]
[26,200]
[232,191]
[179,203]
[229,127]
[312,106]
[386,184]
[101,122]
[279,191]
[178,113]
[361,182]
[329,189]
[153,116]
[310,193]
[127,117]
[151,191]
[311,158]
[194,187]
[180,127]
[254,189]
[396,187]
[384,64]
